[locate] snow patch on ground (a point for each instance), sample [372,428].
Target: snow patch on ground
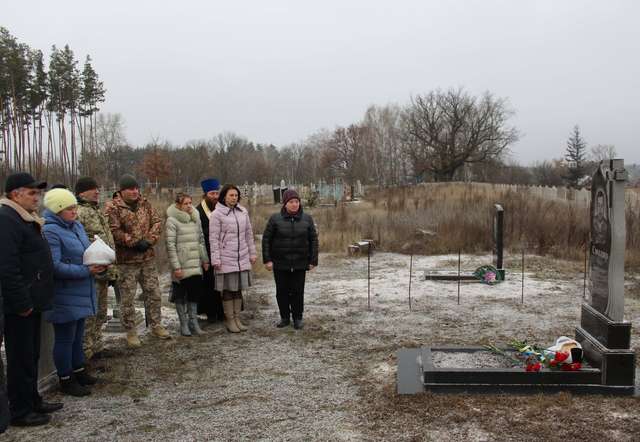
[335,380]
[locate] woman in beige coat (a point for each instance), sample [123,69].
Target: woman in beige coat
[188,257]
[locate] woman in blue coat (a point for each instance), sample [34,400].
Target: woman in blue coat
[75,295]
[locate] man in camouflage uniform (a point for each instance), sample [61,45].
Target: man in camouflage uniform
[95,224]
[136,227]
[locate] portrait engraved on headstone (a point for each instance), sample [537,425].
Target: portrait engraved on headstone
[600,242]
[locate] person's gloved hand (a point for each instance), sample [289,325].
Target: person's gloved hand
[142,246]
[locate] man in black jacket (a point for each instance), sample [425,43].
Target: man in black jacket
[290,249]
[26,276]
[4,402]
[211,304]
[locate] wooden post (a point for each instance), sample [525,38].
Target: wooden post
[369,277]
[459,253]
[410,272]
[522,294]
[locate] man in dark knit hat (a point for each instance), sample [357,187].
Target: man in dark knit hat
[95,224]
[26,277]
[211,304]
[136,227]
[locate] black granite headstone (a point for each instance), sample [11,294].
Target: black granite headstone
[603,333]
[498,238]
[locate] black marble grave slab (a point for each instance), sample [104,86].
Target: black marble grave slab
[617,365]
[611,334]
[417,364]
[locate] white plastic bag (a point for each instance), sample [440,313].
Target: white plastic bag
[564,344]
[98,253]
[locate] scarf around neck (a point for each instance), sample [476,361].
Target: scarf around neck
[28,217]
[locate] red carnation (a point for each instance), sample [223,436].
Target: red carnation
[561,356]
[575,366]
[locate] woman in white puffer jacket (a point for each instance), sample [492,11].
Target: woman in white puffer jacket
[188,257]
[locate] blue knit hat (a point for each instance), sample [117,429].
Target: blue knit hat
[210,184]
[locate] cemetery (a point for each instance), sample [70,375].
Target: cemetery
[297,221]
[386,353]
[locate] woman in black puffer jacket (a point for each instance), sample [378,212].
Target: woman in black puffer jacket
[290,248]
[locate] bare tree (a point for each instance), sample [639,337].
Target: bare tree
[110,143]
[549,173]
[347,153]
[601,152]
[156,163]
[229,161]
[446,130]
[386,162]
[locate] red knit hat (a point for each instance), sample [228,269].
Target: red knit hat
[289,195]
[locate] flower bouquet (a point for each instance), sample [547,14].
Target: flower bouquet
[565,355]
[488,274]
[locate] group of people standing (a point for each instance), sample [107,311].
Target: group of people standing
[211,251]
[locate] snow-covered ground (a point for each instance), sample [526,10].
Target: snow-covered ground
[335,380]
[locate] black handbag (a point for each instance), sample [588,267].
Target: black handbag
[177,292]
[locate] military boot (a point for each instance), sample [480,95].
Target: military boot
[181,308]
[132,338]
[160,332]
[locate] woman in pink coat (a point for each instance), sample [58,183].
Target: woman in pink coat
[232,253]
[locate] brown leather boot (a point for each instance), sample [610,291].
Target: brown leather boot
[229,318]
[237,307]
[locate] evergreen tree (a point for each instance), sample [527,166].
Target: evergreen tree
[64,90]
[575,156]
[30,97]
[92,94]
[37,99]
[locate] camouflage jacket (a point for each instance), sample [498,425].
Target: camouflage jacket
[130,225]
[95,223]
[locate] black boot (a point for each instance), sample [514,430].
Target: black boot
[83,377]
[69,385]
[32,419]
[284,322]
[298,324]
[48,407]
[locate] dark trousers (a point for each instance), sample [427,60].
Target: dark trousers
[290,292]
[22,345]
[4,401]
[210,302]
[68,354]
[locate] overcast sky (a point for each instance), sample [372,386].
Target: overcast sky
[276,71]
